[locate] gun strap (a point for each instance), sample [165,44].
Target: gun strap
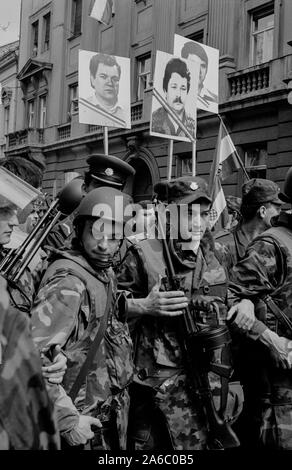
[93,348]
[279,314]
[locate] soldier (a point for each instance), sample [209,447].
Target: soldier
[260,202]
[26,414]
[163,414]
[264,276]
[104,170]
[78,307]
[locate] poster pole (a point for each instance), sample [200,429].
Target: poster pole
[170,158]
[105,139]
[194,157]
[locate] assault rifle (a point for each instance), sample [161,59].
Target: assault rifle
[196,343]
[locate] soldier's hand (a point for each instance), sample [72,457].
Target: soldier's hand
[242,314]
[54,372]
[159,303]
[82,432]
[206,302]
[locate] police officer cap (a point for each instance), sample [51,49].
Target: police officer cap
[258,191]
[286,195]
[110,170]
[184,190]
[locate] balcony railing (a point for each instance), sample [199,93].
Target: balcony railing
[246,82]
[93,128]
[136,111]
[64,132]
[25,137]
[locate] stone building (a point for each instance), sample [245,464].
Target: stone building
[253,37]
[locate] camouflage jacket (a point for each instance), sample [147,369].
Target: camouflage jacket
[26,413]
[67,312]
[231,245]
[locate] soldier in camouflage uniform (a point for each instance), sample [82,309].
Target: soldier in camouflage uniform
[260,202]
[265,274]
[163,414]
[26,414]
[70,309]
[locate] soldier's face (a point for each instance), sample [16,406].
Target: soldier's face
[99,241]
[8,220]
[177,91]
[106,83]
[272,210]
[197,221]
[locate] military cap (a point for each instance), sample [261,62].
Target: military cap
[286,194]
[258,191]
[184,190]
[110,170]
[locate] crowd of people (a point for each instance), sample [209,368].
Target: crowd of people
[148,341]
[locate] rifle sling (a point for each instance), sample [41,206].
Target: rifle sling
[93,348]
[279,314]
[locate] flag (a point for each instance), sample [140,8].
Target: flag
[102,11]
[224,164]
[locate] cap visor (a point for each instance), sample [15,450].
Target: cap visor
[194,197]
[283,198]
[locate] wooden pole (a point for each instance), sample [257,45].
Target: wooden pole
[194,158]
[105,140]
[170,158]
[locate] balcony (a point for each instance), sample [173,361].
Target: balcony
[25,137]
[136,111]
[93,128]
[249,81]
[64,132]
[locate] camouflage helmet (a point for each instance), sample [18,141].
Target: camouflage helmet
[104,202]
[286,194]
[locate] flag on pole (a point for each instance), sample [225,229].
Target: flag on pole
[102,10]
[224,164]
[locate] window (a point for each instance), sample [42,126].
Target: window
[198,36]
[76,17]
[262,35]
[46,31]
[35,38]
[30,114]
[73,99]
[6,119]
[184,164]
[144,74]
[43,112]
[255,160]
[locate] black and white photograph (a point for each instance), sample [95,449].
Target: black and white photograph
[146,233]
[104,90]
[208,59]
[174,111]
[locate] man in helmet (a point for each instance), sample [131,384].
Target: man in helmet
[77,306]
[164,413]
[264,276]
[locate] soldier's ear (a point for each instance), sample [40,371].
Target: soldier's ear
[262,211]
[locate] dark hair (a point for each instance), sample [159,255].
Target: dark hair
[195,49]
[24,169]
[176,66]
[102,59]
[145,203]
[248,212]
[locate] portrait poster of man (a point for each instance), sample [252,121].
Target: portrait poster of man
[104,90]
[176,82]
[208,58]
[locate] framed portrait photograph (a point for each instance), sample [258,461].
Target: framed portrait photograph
[208,59]
[174,106]
[104,90]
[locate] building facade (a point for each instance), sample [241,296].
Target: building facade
[255,43]
[8,94]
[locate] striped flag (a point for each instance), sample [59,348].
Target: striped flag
[102,10]
[224,164]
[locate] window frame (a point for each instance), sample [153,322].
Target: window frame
[263,167]
[31,120]
[76,7]
[139,91]
[42,121]
[261,12]
[35,36]
[46,31]
[73,103]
